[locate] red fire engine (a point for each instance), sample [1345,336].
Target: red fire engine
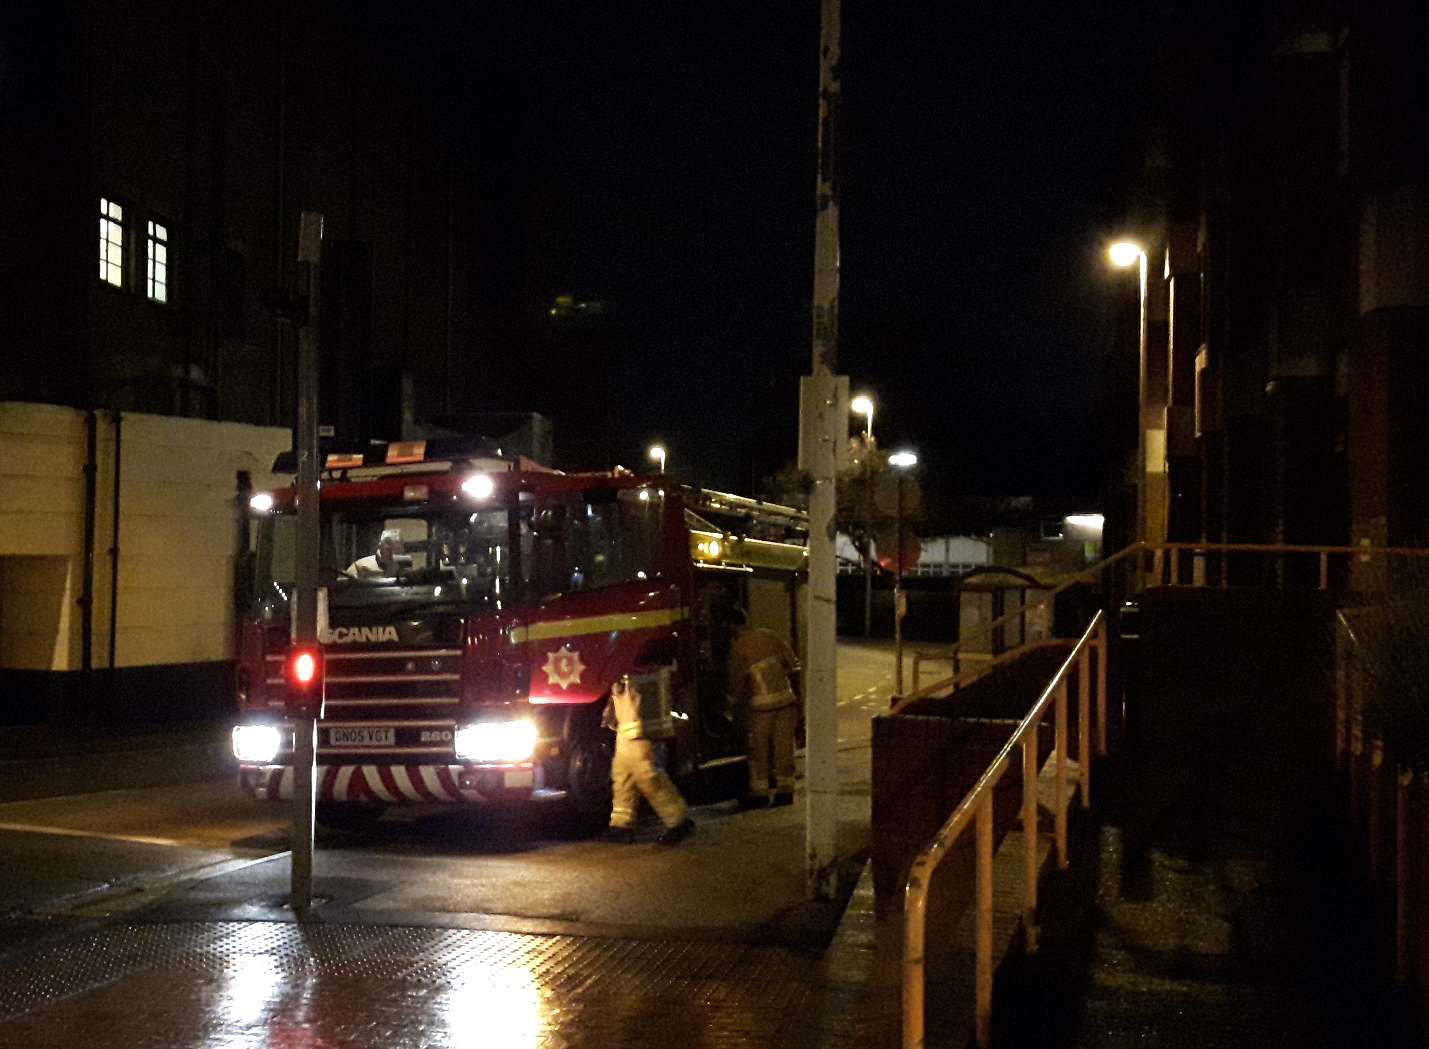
[475,614]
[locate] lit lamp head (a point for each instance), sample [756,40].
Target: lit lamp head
[863,405]
[1125,253]
[903,460]
[657,454]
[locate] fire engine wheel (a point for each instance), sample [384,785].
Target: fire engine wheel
[348,817]
[588,780]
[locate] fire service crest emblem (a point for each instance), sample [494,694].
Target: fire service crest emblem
[564,667]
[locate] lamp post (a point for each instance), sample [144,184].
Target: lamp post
[863,405]
[901,462]
[1123,255]
[657,454]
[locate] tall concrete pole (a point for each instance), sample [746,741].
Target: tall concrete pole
[305,596]
[821,697]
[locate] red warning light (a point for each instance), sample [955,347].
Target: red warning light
[304,671]
[305,668]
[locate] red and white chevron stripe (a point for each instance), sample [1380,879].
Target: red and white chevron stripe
[377,784]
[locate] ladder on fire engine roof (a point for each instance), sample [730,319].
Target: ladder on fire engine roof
[723,504]
[741,534]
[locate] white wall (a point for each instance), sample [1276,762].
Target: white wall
[177,534]
[41,535]
[955,550]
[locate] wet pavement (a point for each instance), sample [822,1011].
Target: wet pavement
[448,929]
[1204,908]
[133,986]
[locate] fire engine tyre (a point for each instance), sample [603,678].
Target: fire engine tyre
[352,818]
[588,780]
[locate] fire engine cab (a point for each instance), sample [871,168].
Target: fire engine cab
[474,614]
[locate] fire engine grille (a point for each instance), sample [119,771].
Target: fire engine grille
[414,692]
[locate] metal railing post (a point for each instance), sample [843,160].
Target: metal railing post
[915,924]
[1101,649]
[1029,838]
[984,922]
[1084,727]
[1060,796]
[1324,570]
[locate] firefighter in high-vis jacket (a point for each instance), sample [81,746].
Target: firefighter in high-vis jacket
[633,773]
[760,675]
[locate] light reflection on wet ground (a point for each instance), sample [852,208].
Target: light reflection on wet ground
[280,985]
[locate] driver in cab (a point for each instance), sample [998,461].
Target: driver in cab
[382,563]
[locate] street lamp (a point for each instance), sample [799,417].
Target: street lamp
[863,405]
[657,453]
[1123,255]
[901,462]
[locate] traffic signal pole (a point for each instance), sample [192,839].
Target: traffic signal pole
[305,596]
[820,680]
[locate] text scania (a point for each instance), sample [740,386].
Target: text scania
[351,635]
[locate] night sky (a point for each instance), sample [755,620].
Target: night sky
[664,162]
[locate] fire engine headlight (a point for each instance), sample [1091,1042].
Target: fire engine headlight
[479,486]
[256,744]
[496,742]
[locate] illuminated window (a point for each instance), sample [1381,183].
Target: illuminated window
[111,243]
[157,252]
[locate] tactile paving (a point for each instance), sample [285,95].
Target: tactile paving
[246,983]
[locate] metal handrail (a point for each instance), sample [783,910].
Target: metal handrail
[1158,551]
[1352,739]
[945,654]
[1322,552]
[986,665]
[1088,575]
[977,804]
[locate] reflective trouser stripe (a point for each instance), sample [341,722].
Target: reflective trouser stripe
[771,751]
[633,774]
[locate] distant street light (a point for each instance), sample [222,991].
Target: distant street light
[863,405]
[901,462]
[1123,255]
[657,453]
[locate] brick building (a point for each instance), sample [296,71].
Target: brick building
[158,158]
[1282,197]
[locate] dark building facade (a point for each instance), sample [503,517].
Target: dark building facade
[158,158]
[1282,196]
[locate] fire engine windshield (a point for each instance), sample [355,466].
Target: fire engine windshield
[392,557]
[602,537]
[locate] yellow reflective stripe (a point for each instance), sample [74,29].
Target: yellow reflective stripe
[631,729]
[598,624]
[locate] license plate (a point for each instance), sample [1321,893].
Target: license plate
[361,737]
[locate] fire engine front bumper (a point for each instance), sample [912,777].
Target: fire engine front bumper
[403,784]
